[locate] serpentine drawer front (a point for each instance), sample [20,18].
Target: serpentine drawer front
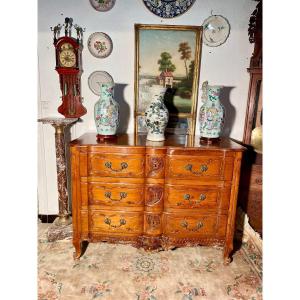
[154,195]
[194,225]
[195,166]
[116,194]
[116,222]
[189,196]
[114,165]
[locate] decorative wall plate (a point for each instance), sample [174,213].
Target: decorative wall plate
[103,5]
[216,30]
[96,79]
[100,44]
[168,8]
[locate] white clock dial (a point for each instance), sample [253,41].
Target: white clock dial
[67,58]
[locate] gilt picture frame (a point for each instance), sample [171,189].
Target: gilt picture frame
[168,55]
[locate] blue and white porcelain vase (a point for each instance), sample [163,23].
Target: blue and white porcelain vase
[106,111]
[211,112]
[156,114]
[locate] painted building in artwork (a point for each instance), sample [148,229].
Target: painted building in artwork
[166,79]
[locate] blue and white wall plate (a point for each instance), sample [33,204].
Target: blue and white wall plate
[216,30]
[168,8]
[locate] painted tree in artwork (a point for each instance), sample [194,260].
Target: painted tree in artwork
[185,51]
[191,69]
[165,63]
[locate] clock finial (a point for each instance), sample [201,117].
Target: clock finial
[56,31]
[68,25]
[79,31]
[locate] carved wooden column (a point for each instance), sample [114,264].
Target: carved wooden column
[154,195]
[60,124]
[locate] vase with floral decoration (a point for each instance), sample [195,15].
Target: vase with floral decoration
[106,112]
[156,114]
[211,113]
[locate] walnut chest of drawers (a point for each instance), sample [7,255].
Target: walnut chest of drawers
[156,195]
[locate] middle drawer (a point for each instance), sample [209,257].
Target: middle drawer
[184,196]
[116,194]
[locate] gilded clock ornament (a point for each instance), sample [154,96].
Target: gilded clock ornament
[68,51]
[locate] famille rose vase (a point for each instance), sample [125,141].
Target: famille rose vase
[211,112]
[156,114]
[106,111]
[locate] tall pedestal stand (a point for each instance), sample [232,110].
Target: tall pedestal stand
[61,227]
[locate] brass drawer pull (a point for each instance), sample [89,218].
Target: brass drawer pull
[122,196]
[203,168]
[202,197]
[186,196]
[185,225]
[108,222]
[124,165]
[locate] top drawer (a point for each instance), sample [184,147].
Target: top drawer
[218,167]
[116,165]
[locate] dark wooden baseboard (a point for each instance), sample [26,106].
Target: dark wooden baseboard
[47,218]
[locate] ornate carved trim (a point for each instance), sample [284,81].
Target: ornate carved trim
[153,220]
[155,195]
[156,242]
[93,238]
[156,164]
[255,35]
[169,242]
[149,242]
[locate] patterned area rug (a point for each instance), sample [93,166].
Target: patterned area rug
[117,272]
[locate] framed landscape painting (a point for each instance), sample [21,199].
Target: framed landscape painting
[168,55]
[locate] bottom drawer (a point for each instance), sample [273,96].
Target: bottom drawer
[116,222]
[194,225]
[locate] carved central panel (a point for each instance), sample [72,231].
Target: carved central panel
[156,165]
[155,195]
[153,221]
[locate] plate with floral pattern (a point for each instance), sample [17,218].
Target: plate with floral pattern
[100,44]
[216,30]
[102,5]
[97,78]
[168,8]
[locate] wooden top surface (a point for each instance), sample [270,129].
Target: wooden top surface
[181,141]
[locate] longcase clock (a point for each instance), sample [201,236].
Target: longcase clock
[251,197]
[68,51]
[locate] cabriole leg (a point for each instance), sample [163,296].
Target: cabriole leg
[227,255]
[78,246]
